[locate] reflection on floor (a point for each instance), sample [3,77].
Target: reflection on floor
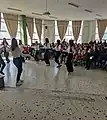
[49,93]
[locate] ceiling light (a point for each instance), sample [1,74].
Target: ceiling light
[36,13]
[74,5]
[47,13]
[89,11]
[15,9]
[98,15]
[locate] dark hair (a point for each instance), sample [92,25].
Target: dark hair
[71,43]
[4,41]
[46,40]
[14,44]
[20,42]
[58,42]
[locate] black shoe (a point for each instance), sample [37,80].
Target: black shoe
[59,66]
[2,73]
[19,83]
[8,61]
[47,64]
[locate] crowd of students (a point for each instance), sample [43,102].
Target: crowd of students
[89,55]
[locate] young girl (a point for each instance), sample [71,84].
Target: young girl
[46,55]
[58,53]
[69,62]
[36,47]
[16,53]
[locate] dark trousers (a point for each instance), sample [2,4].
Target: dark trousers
[6,54]
[37,55]
[57,55]
[69,63]
[88,63]
[2,64]
[46,57]
[63,57]
[18,63]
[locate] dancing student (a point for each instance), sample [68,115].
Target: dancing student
[58,53]
[63,50]
[16,53]
[46,55]
[36,47]
[69,62]
[88,60]
[2,63]
[6,49]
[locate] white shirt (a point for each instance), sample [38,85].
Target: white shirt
[69,48]
[47,46]
[58,48]
[36,47]
[21,47]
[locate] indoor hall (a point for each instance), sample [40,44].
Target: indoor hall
[54,54]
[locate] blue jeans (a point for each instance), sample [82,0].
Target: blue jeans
[18,63]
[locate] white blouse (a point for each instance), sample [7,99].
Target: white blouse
[36,47]
[47,46]
[58,48]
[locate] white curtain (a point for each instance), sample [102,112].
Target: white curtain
[11,23]
[62,28]
[38,23]
[89,31]
[30,26]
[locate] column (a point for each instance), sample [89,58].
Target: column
[24,30]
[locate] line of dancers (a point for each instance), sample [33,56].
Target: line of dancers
[60,50]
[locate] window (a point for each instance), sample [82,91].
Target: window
[69,33]
[105,35]
[97,34]
[4,31]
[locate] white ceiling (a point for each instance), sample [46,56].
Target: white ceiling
[58,8]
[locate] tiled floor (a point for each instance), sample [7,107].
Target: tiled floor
[49,93]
